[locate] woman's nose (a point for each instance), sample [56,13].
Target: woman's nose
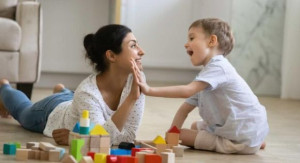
[141,51]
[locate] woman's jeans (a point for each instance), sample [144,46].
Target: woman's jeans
[31,116]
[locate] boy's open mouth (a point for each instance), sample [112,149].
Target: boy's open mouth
[190,53]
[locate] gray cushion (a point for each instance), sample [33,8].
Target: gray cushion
[10,35]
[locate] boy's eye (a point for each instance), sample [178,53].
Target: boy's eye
[191,38]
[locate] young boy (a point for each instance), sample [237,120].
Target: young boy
[233,119]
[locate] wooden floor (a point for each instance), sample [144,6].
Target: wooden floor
[283,141]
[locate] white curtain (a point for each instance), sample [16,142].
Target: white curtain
[291,52]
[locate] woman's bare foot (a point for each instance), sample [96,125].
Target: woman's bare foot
[58,88]
[3,111]
[263,145]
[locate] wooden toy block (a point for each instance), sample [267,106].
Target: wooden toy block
[44,155]
[18,145]
[168,150]
[105,150]
[126,145]
[62,152]
[31,154]
[172,138]
[37,154]
[84,122]
[178,150]
[151,158]
[122,159]
[91,154]
[22,154]
[100,158]
[104,141]
[87,140]
[9,149]
[54,155]
[29,145]
[85,114]
[135,150]
[45,146]
[98,130]
[76,128]
[170,146]
[84,130]
[119,152]
[168,157]
[140,156]
[147,145]
[160,148]
[76,148]
[95,141]
[69,159]
[87,159]
[174,129]
[84,150]
[73,135]
[132,160]
[159,140]
[111,159]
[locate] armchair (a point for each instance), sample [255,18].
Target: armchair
[20,42]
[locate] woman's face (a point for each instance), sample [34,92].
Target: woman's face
[130,50]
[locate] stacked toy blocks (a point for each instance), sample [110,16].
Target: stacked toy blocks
[34,151]
[87,138]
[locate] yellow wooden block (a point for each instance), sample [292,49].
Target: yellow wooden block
[98,130]
[159,140]
[85,114]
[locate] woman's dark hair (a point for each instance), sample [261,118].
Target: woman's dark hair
[108,37]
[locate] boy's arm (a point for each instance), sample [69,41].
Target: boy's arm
[182,114]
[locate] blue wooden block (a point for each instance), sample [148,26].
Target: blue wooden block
[76,128]
[9,149]
[120,152]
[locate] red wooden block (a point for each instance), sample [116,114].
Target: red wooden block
[151,158]
[174,129]
[111,159]
[92,154]
[132,160]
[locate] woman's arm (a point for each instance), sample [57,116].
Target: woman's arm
[182,114]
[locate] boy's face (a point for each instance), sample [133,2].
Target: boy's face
[198,47]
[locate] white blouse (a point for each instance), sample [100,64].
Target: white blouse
[88,97]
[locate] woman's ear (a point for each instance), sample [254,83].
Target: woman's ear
[213,41]
[110,55]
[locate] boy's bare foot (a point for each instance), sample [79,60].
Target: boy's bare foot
[263,145]
[58,88]
[3,112]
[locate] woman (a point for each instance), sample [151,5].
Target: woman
[112,95]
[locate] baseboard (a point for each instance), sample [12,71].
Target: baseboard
[153,75]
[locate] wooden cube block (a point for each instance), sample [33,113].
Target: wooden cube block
[22,154]
[96,150]
[172,138]
[31,154]
[44,155]
[160,148]
[95,141]
[100,158]
[140,156]
[37,154]
[105,150]
[151,158]
[54,155]
[178,150]
[45,146]
[104,141]
[168,157]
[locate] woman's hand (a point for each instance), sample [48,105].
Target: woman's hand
[138,79]
[135,89]
[61,136]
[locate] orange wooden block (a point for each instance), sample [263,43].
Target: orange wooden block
[151,158]
[172,138]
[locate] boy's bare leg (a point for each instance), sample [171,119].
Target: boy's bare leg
[58,88]
[188,136]
[3,111]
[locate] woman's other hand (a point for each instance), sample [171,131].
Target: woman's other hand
[61,136]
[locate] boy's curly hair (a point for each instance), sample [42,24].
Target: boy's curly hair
[215,26]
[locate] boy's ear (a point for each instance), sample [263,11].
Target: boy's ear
[213,41]
[110,55]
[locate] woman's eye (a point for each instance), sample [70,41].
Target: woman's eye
[133,46]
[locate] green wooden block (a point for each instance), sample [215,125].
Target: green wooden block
[18,144]
[9,149]
[76,146]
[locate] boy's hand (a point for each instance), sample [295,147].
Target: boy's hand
[140,81]
[61,136]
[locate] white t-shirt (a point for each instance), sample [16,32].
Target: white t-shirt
[228,105]
[88,97]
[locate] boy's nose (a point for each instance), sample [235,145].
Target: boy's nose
[186,45]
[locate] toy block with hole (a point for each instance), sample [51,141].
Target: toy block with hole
[151,158]
[22,154]
[87,159]
[168,157]
[159,140]
[76,148]
[100,158]
[111,159]
[9,149]
[69,159]
[54,155]
[178,150]
[45,146]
